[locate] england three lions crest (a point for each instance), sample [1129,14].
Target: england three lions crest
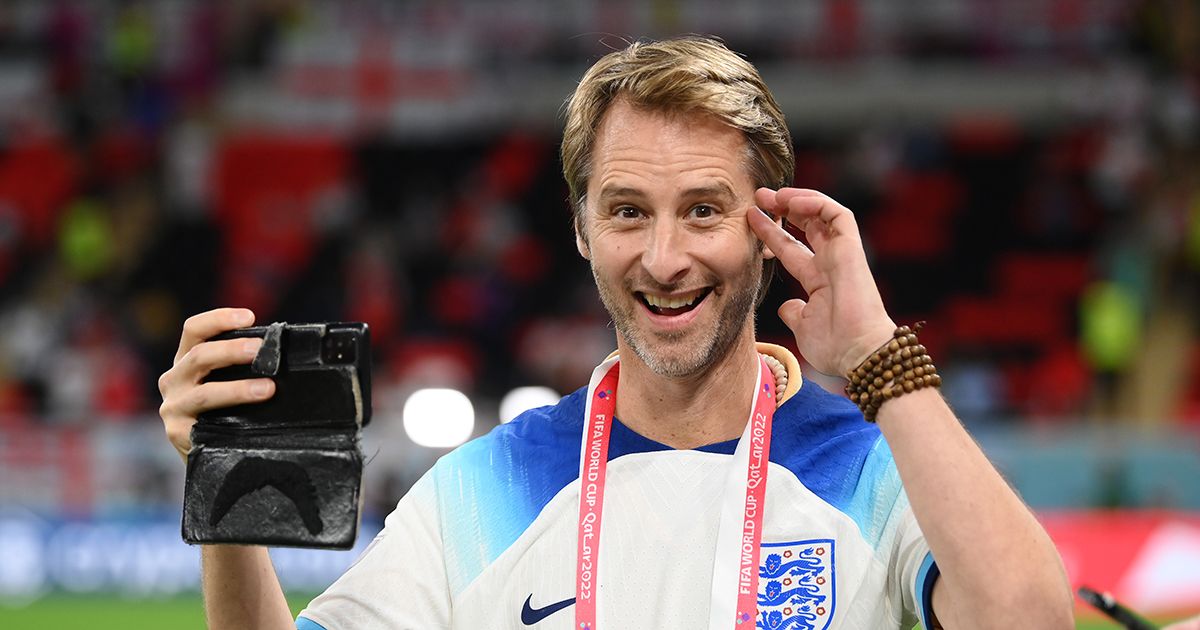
[795,585]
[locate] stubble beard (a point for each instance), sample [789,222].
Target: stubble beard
[673,354]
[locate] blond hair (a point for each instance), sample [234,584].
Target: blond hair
[684,75]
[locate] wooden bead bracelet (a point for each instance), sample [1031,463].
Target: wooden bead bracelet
[900,366]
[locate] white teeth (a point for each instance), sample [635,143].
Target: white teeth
[676,301]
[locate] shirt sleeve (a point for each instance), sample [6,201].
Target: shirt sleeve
[880,507]
[400,579]
[913,569]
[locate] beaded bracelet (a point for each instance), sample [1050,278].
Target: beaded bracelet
[900,366]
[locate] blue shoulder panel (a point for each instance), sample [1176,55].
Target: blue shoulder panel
[492,488]
[823,440]
[303,623]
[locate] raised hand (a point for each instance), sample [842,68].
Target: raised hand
[184,393]
[844,319]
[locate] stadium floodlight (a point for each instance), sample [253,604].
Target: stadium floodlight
[521,399]
[438,418]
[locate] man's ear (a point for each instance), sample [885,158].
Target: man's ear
[767,253]
[581,243]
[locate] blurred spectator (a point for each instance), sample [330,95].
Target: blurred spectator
[86,240]
[1110,322]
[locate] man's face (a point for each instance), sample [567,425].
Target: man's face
[665,230]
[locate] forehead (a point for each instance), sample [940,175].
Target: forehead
[634,143]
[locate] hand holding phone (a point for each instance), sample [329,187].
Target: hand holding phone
[185,390]
[287,470]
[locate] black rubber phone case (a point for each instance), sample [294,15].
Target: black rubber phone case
[287,471]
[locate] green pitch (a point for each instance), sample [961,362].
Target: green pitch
[184,613]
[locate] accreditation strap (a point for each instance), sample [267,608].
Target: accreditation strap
[593,470]
[735,570]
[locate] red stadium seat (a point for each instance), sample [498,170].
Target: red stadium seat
[1002,320]
[1057,275]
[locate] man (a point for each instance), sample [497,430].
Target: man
[569,517]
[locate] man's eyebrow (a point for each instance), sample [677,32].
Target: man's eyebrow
[611,192]
[718,189]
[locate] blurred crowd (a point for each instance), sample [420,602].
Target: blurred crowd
[1056,258]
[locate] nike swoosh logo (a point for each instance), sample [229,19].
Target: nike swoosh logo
[531,615]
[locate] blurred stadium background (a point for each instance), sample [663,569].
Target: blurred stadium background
[1026,175]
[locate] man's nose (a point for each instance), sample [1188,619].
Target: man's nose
[666,258]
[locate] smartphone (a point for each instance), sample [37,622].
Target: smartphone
[286,471]
[322,375]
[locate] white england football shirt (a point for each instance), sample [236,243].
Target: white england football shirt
[487,538]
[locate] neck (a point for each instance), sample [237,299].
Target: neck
[689,411]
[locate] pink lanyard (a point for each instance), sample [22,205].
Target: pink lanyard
[754,446]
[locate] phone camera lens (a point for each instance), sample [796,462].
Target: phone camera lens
[339,348]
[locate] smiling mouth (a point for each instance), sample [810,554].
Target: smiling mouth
[671,305]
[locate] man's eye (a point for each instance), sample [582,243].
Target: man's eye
[628,212]
[704,212]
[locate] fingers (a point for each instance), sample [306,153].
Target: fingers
[190,402]
[205,357]
[197,328]
[180,384]
[795,256]
[775,237]
[802,206]
[185,396]
[181,406]
[791,312]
